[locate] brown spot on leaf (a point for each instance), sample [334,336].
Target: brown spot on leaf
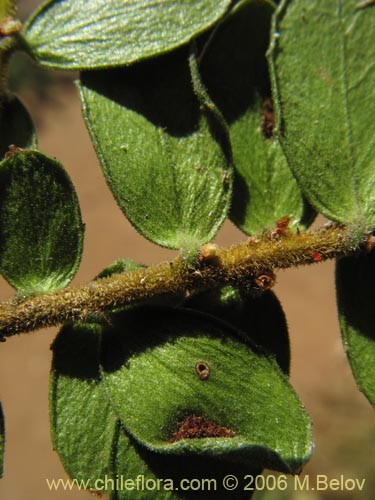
[268,117]
[194,427]
[199,168]
[203,370]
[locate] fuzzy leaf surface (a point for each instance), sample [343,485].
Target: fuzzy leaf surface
[92,442]
[41,232]
[6,8]
[234,70]
[86,434]
[16,127]
[245,392]
[355,299]
[261,318]
[91,34]
[323,69]
[163,162]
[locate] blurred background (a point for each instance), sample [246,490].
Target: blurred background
[343,420]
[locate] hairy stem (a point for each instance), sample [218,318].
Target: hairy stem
[249,264]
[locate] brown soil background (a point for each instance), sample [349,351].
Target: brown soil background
[343,420]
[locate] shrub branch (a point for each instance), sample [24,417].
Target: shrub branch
[249,264]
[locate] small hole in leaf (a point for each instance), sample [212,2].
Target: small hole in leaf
[203,370]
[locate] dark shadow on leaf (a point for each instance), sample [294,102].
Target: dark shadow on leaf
[142,328]
[260,318]
[76,351]
[355,280]
[16,127]
[234,67]
[159,89]
[240,200]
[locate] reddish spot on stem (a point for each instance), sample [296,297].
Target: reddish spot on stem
[194,427]
[317,257]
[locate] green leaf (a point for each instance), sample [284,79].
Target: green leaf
[93,444]
[2,440]
[233,67]
[6,8]
[16,127]
[155,367]
[261,318]
[98,33]
[158,150]
[41,232]
[355,300]
[119,266]
[82,421]
[323,71]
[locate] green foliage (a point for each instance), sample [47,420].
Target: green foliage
[89,437]
[239,393]
[234,69]
[41,232]
[323,74]
[16,127]
[179,101]
[6,8]
[355,299]
[117,363]
[98,34]
[158,150]
[260,318]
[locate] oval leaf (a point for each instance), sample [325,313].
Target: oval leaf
[323,71]
[261,318]
[94,446]
[98,33]
[161,159]
[41,232]
[357,317]
[234,70]
[16,127]
[211,386]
